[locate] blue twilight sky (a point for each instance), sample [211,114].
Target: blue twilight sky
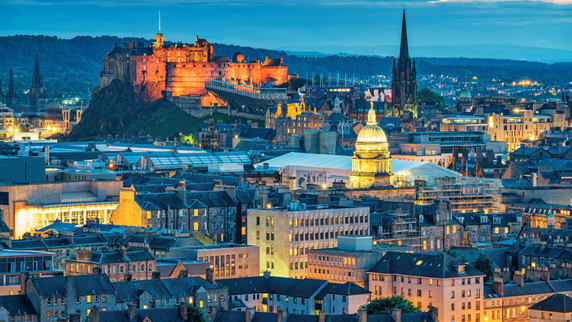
[352,26]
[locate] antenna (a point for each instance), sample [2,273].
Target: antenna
[159,21]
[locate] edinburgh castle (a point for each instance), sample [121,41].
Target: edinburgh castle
[179,70]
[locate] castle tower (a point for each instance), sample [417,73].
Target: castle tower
[404,83]
[37,92]
[159,42]
[371,163]
[11,95]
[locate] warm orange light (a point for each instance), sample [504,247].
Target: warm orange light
[268,206]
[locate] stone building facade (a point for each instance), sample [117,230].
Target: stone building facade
[182,69]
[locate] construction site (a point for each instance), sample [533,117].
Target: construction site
[465,194]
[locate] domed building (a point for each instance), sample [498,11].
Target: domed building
[371,163]
[466,99]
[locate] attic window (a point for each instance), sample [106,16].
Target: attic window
[419,263]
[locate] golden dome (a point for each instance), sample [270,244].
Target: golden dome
[371,133]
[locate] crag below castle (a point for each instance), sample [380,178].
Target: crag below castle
[120,110]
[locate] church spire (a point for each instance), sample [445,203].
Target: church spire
[37,81]
[11,96]
[404,50]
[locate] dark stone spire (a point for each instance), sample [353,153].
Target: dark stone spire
[404,83]
[37,80]
[37,92]
[404,50]
[11,96]
[394,72]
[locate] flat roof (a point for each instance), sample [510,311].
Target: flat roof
[11,253]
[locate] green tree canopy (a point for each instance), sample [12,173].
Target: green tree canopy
[484,264]
[386,304]
[194,314]
[428,97]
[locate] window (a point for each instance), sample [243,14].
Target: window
[418,292]
[104,298]
[78,300]
[452,306]
[88,299]
[418,281]
[452,294]
[550,316]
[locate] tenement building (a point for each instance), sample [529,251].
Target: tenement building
[439,280]
[308,296]
[350,261]
[285,235]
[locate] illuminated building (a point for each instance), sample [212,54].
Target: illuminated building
[439,280]
[181,70]
[511,128]
[371,163]
[32,206]
[350,261]
[285,235]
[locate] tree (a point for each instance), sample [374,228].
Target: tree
[484,264]
[451,252]
[428,97]
[194,314]
[386,304]
[458,106]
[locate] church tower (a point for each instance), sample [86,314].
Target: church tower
[11,95]
[37,92]
[371,163]
[404,83]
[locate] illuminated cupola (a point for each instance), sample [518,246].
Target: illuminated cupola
[371,163]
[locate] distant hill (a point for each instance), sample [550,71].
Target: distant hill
[73,65]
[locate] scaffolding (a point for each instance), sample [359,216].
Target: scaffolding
[465,194]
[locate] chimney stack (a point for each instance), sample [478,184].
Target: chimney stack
[362,315]
[156,275]
[434,312]
[281,315]
[396,313]
[498,286]
[209,275]
[183,310]
[94,314]
[131,312]
[249,314]
[75,318]
[322,316]
[518,278]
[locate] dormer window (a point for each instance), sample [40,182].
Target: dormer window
[483,219]
[421,218]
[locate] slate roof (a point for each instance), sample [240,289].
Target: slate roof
[277,285]
[425,265]
[211,198]
[348,288]
[84,285]
[17,305]
[527,289]
[155,315]
[186,285]
[245,196]
[158,201]
[129,291]
[497,255]
[240,316]
[259,133]
[555,303]
[205,178]
[115,257]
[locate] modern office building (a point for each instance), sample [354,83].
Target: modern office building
[285,235]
